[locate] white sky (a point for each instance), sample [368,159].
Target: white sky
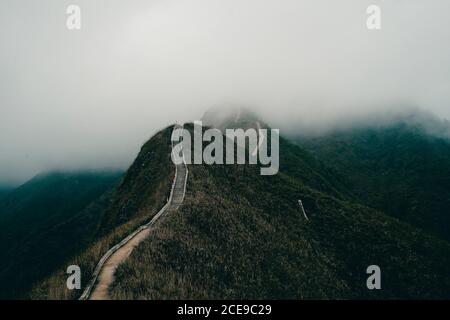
[90,98]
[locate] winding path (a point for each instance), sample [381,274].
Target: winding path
[104,272]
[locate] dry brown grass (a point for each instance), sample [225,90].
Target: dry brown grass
[243,237]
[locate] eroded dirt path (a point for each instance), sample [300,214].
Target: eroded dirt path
[106,276]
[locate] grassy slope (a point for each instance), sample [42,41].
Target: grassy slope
[400,170]
[295,161]
[35,218]
[141,194]
[241,235]
[300,164]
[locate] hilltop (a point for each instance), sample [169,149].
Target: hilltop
[242,235]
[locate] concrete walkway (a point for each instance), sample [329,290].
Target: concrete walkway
[103,276]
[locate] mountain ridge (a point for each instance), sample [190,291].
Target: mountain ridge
[242,235]
[400,169]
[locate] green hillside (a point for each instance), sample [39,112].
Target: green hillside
[4,190]
[399,169]
[139,196]
[295,161]
[45,220]
[242,235]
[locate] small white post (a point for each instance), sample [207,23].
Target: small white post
[300,203]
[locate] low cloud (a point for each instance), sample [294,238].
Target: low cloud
[90,98]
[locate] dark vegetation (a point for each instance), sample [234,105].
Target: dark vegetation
[400,170]
[295,161]
[44,221]
[242,235]
[142,192]
[5,190]
[62,219]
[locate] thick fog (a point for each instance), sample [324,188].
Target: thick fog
[89,98]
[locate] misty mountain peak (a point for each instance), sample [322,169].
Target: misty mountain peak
[222,117]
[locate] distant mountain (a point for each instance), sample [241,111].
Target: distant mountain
[401,168]
[242,235]
[4,190]
[43,222]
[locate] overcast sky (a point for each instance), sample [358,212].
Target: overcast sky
[90,98]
